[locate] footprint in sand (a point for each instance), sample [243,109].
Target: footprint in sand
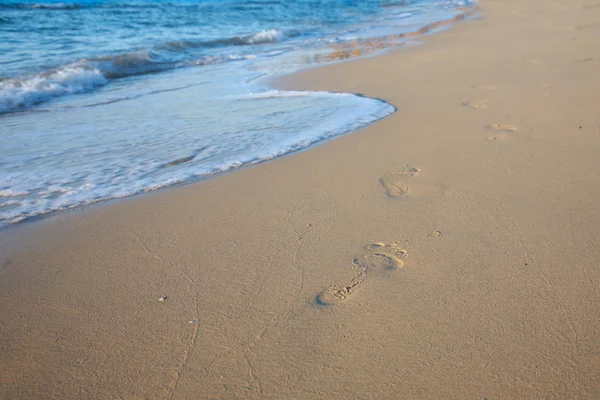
[502,127]
[476,105]
[495,137]
[489,88]
[338,293]
[395,183]
[381,257]
[377,259]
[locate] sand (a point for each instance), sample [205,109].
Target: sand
[449,251]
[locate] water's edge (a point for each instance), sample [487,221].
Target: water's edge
[275,82]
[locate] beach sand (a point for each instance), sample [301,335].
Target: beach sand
[449,251]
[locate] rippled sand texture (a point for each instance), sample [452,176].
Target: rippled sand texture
[318,276]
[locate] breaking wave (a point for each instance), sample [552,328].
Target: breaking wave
[91,73]
[17,94]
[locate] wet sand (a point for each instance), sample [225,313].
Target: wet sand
[448,251]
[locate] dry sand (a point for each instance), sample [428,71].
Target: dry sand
[463,233]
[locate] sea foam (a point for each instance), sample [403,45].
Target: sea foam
[17,94]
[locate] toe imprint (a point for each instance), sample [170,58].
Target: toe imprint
[395,183]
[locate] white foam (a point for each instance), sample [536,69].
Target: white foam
[20,93]
[12,193]
[9,203]
[274,94]
[269,36]
[121,157]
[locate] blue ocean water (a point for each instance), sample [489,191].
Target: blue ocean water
[101,99]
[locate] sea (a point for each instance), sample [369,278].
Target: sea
[103,99]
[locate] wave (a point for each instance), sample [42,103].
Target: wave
[12,193]
[87,75]
[262,37]
[128,64]
[273,35]
[124,5]
[392,3]
[91,73]
[17,94]
[48,6]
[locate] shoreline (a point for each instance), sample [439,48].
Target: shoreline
[69,211]
[446,251]
[339,52]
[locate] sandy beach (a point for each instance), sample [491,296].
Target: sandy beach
[449,251]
